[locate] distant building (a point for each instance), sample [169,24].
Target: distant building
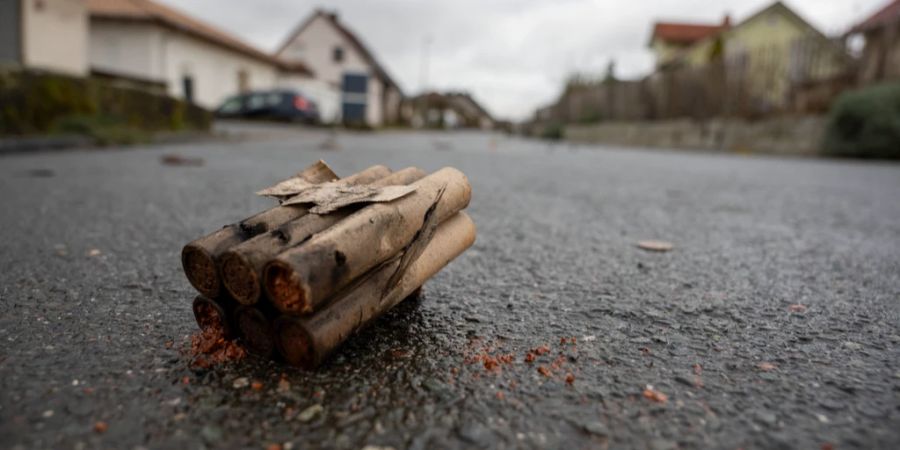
[367,93]
[446,110]
[669,39]
[880,58]
[146,41]
[766,55]
[44,34]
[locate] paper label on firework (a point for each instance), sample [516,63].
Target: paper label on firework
[286,188]
[333,196]
[310,176]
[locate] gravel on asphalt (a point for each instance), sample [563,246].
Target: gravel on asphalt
[773,322]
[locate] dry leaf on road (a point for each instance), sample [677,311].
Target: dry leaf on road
[655,246]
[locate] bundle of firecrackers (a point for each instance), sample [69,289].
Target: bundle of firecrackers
[295,281]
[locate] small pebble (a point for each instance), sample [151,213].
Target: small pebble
[100,427]
[310,413]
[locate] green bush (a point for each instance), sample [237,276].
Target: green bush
[865,123]
[552,131]
[39,102]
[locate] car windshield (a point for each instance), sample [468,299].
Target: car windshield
[232,105]
[274,99]
[256,101]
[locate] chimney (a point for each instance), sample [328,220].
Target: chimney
[726,21]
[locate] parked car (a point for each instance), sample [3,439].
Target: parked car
[281,104]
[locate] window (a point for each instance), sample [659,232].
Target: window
[274,99]
[256,102]
[338,54]
[187,88]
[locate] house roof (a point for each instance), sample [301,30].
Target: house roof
[147,10]
[684,33]
[890,13]
[466,97]
[776,6]
[354,40]
[787,12]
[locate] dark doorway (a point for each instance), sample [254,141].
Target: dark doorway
[187,88]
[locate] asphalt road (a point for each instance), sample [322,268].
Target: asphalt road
[773,323]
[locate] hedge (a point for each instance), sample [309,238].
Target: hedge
[865,123]
[33,102]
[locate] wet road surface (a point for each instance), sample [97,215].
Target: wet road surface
[773,323]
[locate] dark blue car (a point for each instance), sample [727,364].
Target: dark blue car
[279,104]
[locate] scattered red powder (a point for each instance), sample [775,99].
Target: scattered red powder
[544,371]
[210,348]
[570,378]
[500,395]
[529,358]
[558,362]
[491,364]
[540,350]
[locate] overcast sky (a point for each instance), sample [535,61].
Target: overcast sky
[513,55]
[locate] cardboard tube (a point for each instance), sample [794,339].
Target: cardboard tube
[307,341]
[214,314]
[199,258]
[302,278]
[256,329]
[242,265]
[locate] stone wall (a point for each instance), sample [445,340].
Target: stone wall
[801,135]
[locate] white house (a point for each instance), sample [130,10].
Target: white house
[166,50]
[368,95]
[147,41]
[44,34]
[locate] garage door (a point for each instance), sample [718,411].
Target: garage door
[353,98]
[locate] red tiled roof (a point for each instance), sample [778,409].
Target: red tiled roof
[147,10]
[888,14]
[683,33]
